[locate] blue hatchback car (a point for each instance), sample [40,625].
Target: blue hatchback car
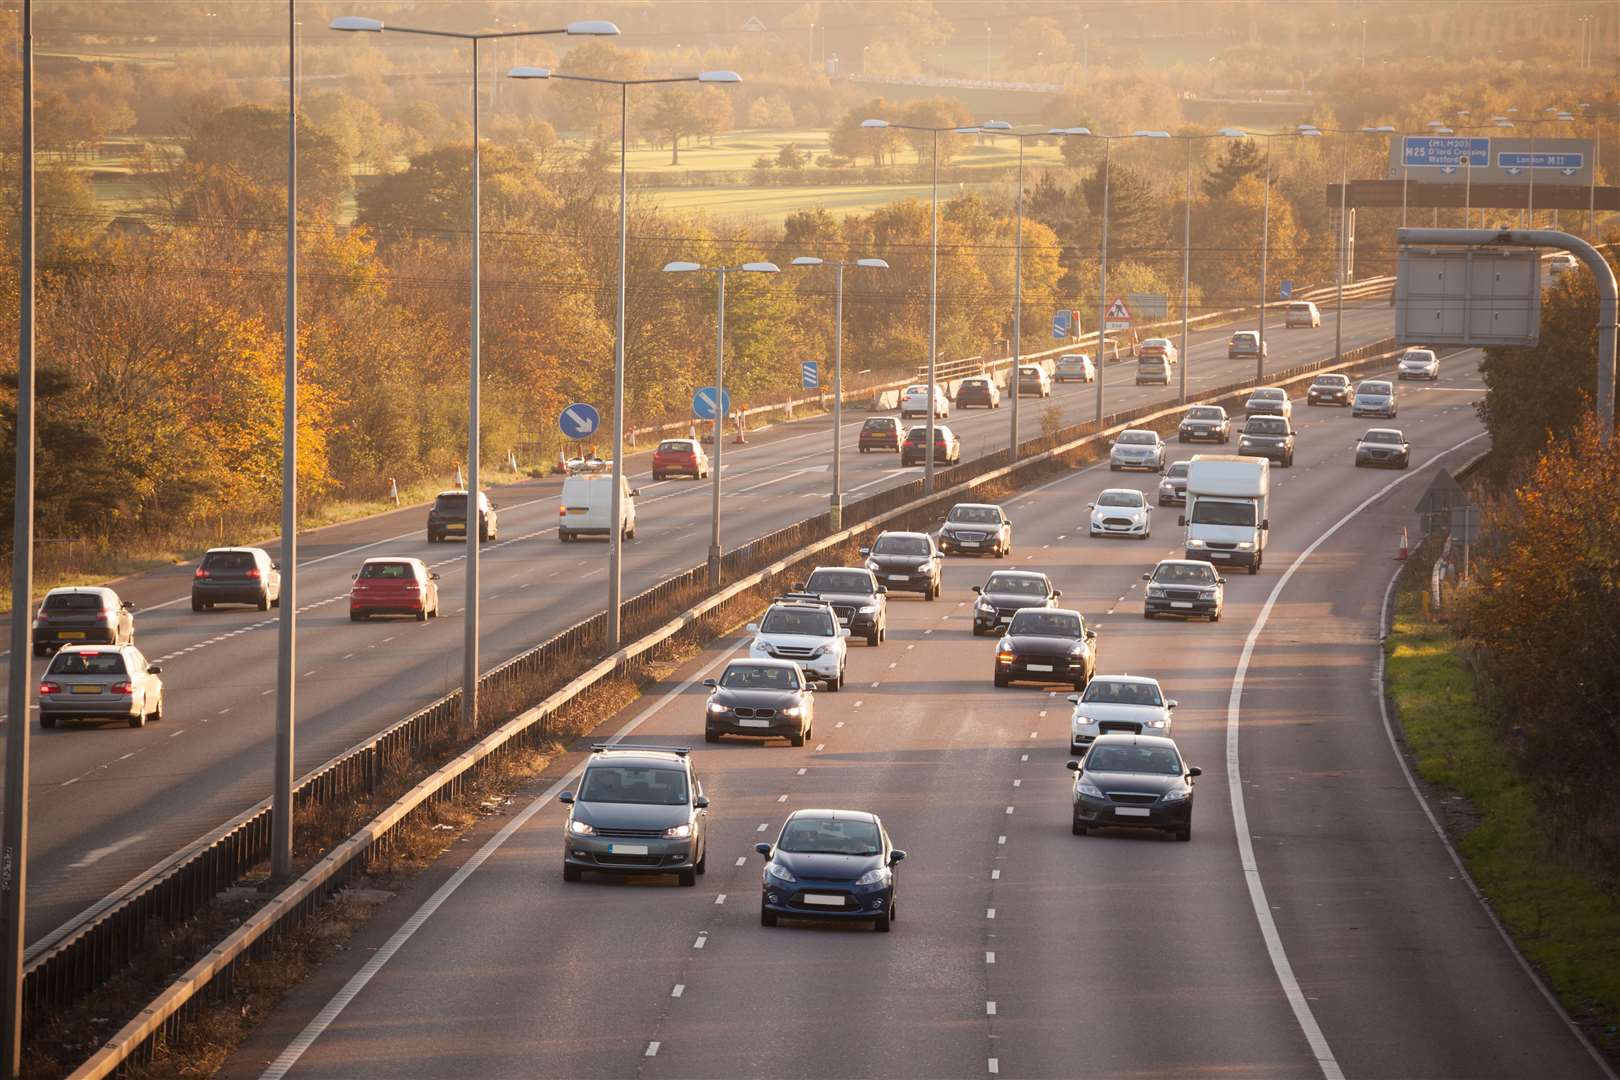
[830,864]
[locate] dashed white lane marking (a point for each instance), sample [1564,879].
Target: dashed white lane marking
[720,899]
[989,1008]
[1033,734]
[652,1047]
[262,693]
[801,772]
[177,734]
[989,912]
[1001,840]
[223,711]
[680,988]
[348,656]
[75,780]
[989,956]
[702,939]
[1023,757]
[92,857]
[839,724]
[763,826]
[1009,809]
[894,665]
[858,704]
[1043,712]
[995,1066]
[307,674]
[908,649]
[742,860]
[781,798]
[995,875]
[1018,783]
[129,755]
[928,631]
[876,685]
[821,746]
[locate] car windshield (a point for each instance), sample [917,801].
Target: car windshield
[1332,380]
[387,571]
[73,602]
[1015,585]
[627,784]
[1266,426]
[885,424]
[1120,692]
[977,384]
[1120,498]
[1382,437]
[1045,623]
[88,663]
[831,836]
[759,677]
[1030,372]
[1138,438]
[1206,512]
[1420,357]
[919,389]
[900,545]
[1299,309]
[1374,389]
[1268,395]
[1072,361]
[675,446]
[228,560]
[451,504]
[1178,471]
[839,581]
[1245,335]
[1155,760]
[811,622]
[1184,574]
[920,434]
[1207,412]
[1156,343]
[974,515]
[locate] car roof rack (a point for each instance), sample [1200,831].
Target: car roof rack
[682,751]
[799,597]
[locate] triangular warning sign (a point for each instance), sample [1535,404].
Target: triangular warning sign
[1118,310]
[753,25]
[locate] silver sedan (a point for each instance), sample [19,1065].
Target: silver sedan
[100,682]
[1137,448]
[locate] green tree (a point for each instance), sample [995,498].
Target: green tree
[245,147]
[1242,158]
[849,139]
[674,116]
[434,193]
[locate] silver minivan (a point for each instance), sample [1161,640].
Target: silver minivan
[1374,397]
[1303,313]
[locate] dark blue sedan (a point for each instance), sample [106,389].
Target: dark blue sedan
[830,864]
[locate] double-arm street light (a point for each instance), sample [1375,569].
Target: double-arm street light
[838,370]
[719,273]
[590,28]
[616,498]
[933,278]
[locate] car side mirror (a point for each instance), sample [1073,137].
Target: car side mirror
[798,586]
[154,669]
[127,606]
[1182,520]
[433,575]
[700,803]
[896,856]
[1091,635]
[1056,593]
[1195,771]
[1091,506]
[1266,524]
[566,798]
[635,493]
[354,577]
[843,631]
[1073,699]
[275,566]
[753,628]
[1171,703]
[883,590]
[1073,766]
[711,682]
[764,849]
[1220,581]
[1147,577]
[979,589]
[494,506]
[866,551]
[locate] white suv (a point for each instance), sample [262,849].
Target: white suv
[914,402]
[806,632]
[1129,704]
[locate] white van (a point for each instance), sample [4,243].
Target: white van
[1303,313]
[587,507]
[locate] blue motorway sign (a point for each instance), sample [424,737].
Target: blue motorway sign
[703,402]
[1061,325]
[1445,150]
[1515,163]
[579,421]
[809,375]
[1286,289]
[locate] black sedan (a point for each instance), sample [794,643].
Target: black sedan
[1047,645]
[856,598]
[761,698]
[976,529]
[1384,446]
[830,864]
[1134,781]
[1329,390]
[905,562]
[1208,423]
[1008,592]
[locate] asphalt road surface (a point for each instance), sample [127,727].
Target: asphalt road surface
[1330,935]
[108,802]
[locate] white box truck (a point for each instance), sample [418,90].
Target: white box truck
[1226,510]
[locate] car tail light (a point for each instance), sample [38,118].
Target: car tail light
[42,617]
[562,511]
[125,687]
[201,573]
[49,688]
[254,573]
[103,615]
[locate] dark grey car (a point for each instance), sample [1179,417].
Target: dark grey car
[236,576]
[1008,592]
[1268,437]
[905,561]
[762,699]
[639,810]
[976,529]
[82,615]
[857,599]
[1173,488]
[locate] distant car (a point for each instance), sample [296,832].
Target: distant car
[914,401]
[1329,390]
[905,561]
[236,576]
[1121,512]
[1374,397]
[976,529]
[1383,446]
[762,699]
[947,447]
[806,632]
[1006,593]
[979,390]
[81,615]
[830,864]
[1269,437]
[1205,423]
[1302,313]
[1137,448]
[680,457]
[1185,587]
[1075,367]
[857,600]
[1418,364]
[1129,704]
[1561,264]
[880,433]
[394,585]
[1245,343]
[1047,645]
[1268,401]
[638,810]
[1159,346]
[1033,380]
[447,517]
[1134,781]
[1173,488]
[98,682]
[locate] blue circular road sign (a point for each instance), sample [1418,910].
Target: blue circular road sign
[579,421]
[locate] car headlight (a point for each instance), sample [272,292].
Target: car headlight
[985,606]
[1178,795]
[1086,787]
[1154,723]
[1078,649]
[868,609]
[779,872]
[1207,594]
[1245,545]
[580,828]
[1154,590]
[716,709]
[878,875]
[678,832]
[758,645]
[793,710]
[1082,721]
[1165,485]
[1195,543]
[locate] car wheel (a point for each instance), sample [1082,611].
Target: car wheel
[882,923]
[797,739]
[977,632]
[1001,680]
[702,865]
[264,601]
[1405,462]
[1078,829]
[873,638]
[883,633]
[767,917]
[138,720]
[1216,617]
[1146,614]
[422,616]
[657,477]
[687,878]
[572,873]
[1254,568]
[355,616]
[157,713]
[47,722]
[1184,833]
[835,685]
[710,737]
[196,605]
[1112,467]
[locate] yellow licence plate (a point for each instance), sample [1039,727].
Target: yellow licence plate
[74,634]
[578,509]
[455,528]
[87,689]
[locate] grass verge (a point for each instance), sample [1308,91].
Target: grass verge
[1558,914]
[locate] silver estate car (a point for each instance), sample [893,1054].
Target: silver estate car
[1374,397]
[1137,448]
[100,682]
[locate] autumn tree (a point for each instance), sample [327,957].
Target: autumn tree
[849,139]
[1242,158]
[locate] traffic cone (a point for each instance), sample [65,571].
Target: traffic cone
[742,431]
[562,464]
[1405,550]
[393,490]
[460,480]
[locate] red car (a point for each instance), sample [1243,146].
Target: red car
[680,457]
[394,586]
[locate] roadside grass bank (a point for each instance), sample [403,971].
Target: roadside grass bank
[1558,914]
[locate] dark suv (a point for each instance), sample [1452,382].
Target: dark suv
[639,810]
[1268,437]
[880,433]
[858,601]
[236,576]
[447,518]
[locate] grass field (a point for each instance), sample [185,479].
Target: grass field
[774,204]
[737,150]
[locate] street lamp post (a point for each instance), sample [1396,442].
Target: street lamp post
[589,28]
[1344,224]
[720,273]
[933,278]
[837,496]
[287,599]
[616,495]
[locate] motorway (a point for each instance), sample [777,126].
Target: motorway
[109,802]
[1315,926]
